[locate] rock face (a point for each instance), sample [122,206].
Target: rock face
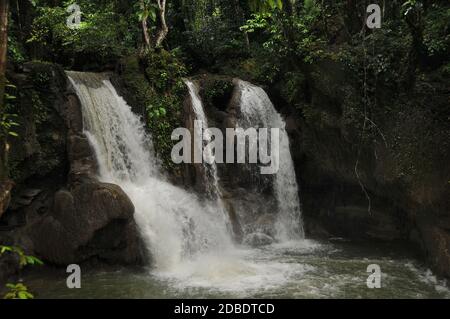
[258,240]
[59,211]
[386,184]
[5,196]
[91,220]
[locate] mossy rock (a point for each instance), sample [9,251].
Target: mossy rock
[215,90]
[153,85]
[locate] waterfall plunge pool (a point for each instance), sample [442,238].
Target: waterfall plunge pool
[193,254]
[304,269]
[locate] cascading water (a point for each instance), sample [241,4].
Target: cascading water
[258,111]
[193,255]
[211,177]
[175,225]
[189,239]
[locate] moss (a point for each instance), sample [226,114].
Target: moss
[41,74]
[42,150]
[156,85]
[216,91]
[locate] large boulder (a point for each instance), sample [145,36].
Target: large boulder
[92,220]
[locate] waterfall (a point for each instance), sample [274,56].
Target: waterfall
[188,238]
[175,225]
[210,176]
[211,179]
[258,111]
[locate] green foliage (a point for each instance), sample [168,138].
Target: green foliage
[293,35]
[7,120]
[103,32]
[146,9]
[410,6]
[164,108]
[437,31]
[40,110]
[164,69]
[217,92]
[155,83]
[213,35]
[259,21]
[24,260]
[15,50]
[18,291]
[265,6]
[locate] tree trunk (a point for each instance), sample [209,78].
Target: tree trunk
[145,34]
[163,29]
[4,10]
[240,18]
[418,52]
[144,28]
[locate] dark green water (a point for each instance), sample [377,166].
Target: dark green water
[299,270]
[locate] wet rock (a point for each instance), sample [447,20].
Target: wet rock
[74,118]
[5,195]
[258,240]
[435,241]
[401,172]
[79,148]
[234,219]
[92,220]
[83,164]
[24,198]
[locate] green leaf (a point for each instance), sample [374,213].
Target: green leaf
[152,15]
[5,249]
[11,286]
[23,295]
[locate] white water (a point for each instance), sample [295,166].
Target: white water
[211,177]
[188,239]
[175,225]
[258,111]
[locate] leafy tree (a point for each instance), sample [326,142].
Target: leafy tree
[104,34]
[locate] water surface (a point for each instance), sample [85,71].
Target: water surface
[305,269]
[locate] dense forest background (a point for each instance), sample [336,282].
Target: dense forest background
[367,109]
[278,44]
